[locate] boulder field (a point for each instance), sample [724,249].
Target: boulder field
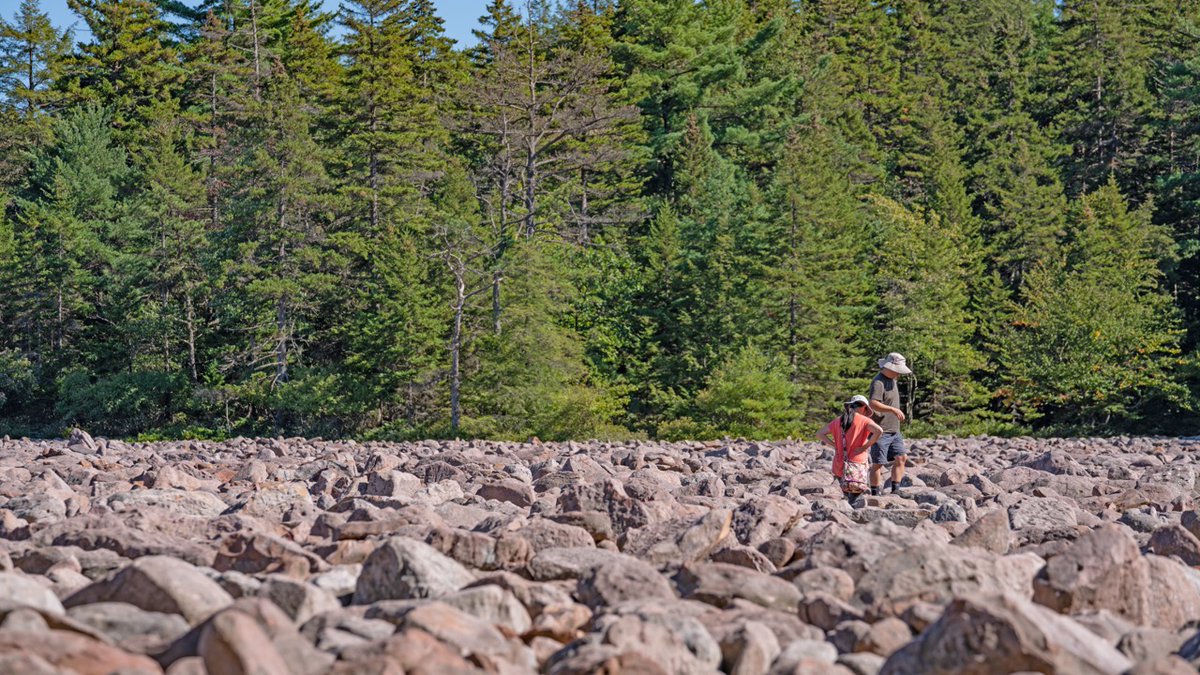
[306,556]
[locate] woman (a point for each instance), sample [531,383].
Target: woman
[851,436]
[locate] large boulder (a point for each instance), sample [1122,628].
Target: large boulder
[1105,570]
[18,589]
[130,626]
[985,634]
[625,579]
[492,604]
[1038,519]
[472,637]
[719,584]
[939,574]
[182,502]
[227,643]
[412,652]
[762,518]
[680,541]
[259,553]
[570,563]
[69,652]
[158,584]
[235,644]
[1175,540]
[671,634]
[300,600]
[990,532]
[401,568]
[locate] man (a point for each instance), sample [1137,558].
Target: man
[884,396]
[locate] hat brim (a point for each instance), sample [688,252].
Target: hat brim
[899,370]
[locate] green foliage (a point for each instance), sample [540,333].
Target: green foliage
[532,379]
[820,286]
[923,280]
[605,219]
[120,404]
[17,378]
[748,396]
[1097,339]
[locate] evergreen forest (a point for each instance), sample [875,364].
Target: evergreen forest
[604,219]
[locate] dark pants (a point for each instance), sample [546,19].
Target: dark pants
[888,448]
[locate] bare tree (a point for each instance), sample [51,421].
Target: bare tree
[465,256]
[551,129]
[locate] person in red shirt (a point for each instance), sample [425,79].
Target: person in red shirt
[851,436]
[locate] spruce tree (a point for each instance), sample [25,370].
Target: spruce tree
[393,144]
[168,283]
[821,298]
[924,272]
[63,229]
[32,53]
[277,271]
[1096,340]
[1096,90]
[129,64]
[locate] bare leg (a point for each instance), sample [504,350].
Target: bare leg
[876,475]
[898,470]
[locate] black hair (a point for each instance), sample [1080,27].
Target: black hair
[848,415]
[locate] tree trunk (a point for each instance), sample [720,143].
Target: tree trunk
[281,340]
[496,276]
[502,236]
[211,179]
[373,173]
[190,319]
[257,66]
[460,301]
[792,304]
[530,191]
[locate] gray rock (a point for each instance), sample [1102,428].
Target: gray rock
[21,590]
[980,635]
[401,568]
[123,622]
[158,584]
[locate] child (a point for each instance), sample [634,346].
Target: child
[851,436]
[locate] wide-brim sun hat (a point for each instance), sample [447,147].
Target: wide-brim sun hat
[859,399]
[895,362]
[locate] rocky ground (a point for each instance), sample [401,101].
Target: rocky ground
[306,557]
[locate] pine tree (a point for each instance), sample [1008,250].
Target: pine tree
[924,269]
[821,298]
[1096,90]
[129,65]
[32,52]
[394,142]
[533,379]
[498,26]
[1097,337]
[853,76]
[1177,193]
[63,231]
[276,272]
[168,285]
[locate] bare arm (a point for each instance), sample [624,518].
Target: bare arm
[824,435]
[883,408]
[876,432]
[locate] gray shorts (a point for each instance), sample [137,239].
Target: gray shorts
[888,448]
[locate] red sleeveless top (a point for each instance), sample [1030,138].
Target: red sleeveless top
[851,446]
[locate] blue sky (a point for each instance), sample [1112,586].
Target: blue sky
[460,15]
